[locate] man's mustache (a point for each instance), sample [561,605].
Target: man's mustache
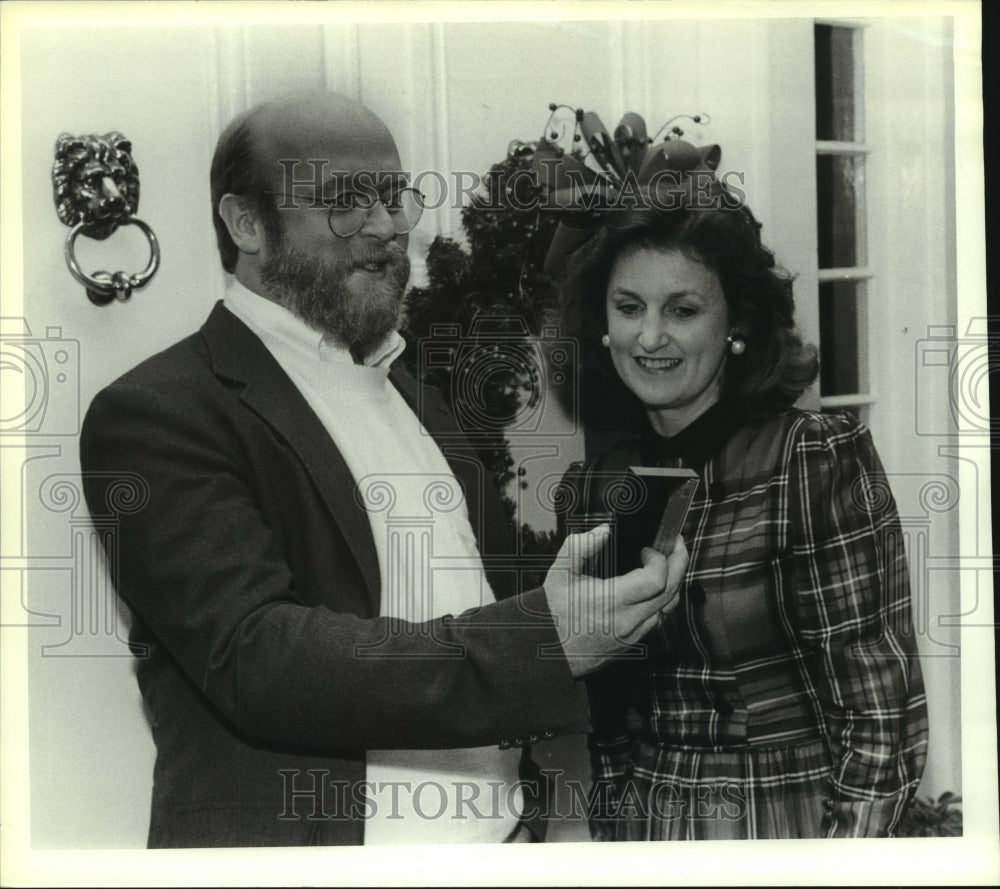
[383,254]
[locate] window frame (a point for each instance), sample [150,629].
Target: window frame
[862,274]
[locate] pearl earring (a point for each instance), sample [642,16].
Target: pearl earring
[736,345]
[605,341]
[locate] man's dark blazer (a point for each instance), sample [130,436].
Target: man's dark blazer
[253,580]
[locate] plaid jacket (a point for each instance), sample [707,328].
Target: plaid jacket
[794,623]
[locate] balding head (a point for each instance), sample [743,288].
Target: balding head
[297,144]
[323,131]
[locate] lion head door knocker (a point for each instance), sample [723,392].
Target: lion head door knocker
[95,184]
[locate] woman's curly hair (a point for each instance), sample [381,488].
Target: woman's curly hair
[776,367]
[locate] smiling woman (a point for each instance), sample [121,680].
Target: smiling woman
[698,285]
[782,696]
[667,333]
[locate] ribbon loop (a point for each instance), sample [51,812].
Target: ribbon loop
[633,174]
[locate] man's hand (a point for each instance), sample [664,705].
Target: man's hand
[596,618]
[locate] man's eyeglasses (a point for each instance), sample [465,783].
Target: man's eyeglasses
[347,213]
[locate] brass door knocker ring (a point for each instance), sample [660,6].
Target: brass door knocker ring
[102,287]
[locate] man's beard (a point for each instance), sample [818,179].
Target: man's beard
[318,291]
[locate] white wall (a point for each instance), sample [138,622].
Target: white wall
[455,95]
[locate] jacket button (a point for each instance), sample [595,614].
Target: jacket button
[504,744]
[518,742]
[547,734]
[532,739]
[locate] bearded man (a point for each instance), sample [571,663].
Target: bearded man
[307,681]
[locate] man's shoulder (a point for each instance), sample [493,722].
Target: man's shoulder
[190,362]
[186,358]
[178,388]
[177,379]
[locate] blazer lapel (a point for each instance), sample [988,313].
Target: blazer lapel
[239,355]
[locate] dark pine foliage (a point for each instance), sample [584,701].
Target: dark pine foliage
[484,301]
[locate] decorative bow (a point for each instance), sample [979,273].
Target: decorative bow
[633,172]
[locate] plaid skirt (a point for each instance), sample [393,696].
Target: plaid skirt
[738,794]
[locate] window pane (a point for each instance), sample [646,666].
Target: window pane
[839,190]
[841,337]
[835,113]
